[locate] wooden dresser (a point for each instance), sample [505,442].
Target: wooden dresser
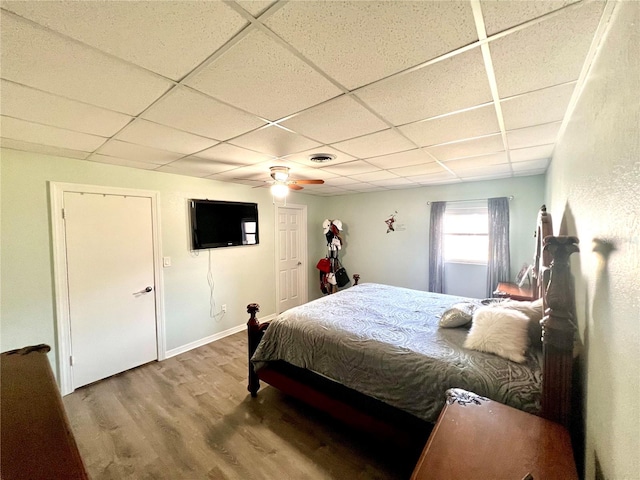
[514,292]
[478,438]
[36,441]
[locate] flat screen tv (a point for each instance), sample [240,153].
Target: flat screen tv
[223,224]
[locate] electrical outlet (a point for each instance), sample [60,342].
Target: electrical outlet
[224,307]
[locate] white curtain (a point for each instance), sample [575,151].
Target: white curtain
[436,241]
[499,267]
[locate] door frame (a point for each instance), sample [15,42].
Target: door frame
[304,287]
[61,290]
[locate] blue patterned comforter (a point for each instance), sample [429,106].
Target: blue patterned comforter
[384,341]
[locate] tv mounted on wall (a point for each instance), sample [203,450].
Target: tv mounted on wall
[223,224]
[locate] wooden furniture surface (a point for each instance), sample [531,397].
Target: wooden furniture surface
[478,438]
[36,441]
[553,279]
[514,292]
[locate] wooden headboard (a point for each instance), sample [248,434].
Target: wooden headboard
[553,282]
[542,258]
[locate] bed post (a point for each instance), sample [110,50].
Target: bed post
[254,334]
[558,330]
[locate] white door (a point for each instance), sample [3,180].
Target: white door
[291,268]
[110,275]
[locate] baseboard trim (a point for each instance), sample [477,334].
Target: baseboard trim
[211,338]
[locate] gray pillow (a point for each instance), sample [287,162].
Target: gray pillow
[458,315]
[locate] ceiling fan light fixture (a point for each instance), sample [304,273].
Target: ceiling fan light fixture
[279,190]
[280,174]
[321,157]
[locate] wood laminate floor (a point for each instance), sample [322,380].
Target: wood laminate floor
[191,417]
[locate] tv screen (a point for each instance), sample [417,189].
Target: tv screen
[223,224]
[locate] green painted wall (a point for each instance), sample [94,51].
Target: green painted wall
[401,257]
[242,275]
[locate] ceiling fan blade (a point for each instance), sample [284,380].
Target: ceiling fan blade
[293,186]
[307,182]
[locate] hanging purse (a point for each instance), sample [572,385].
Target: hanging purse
[324,265]
[342,277]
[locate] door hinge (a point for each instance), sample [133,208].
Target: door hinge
[71,360]
[63,215]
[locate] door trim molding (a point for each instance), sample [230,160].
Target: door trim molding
[61,290]
[304,294]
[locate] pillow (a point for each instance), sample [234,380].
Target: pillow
[534,311]
[499,330]
[458,315]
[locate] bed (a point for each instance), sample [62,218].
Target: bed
[374,357]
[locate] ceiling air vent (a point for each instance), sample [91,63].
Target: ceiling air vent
[321,157]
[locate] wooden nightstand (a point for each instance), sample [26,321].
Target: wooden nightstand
[478,438]
[511,290]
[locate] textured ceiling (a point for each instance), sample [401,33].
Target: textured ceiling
[403,93]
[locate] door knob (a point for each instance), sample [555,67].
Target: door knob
[146,290]
[299,263]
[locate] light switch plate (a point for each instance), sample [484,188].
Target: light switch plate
[166,261]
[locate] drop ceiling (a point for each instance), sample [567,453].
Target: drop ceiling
[403,93]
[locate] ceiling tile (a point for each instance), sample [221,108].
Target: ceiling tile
[401,159]
[466,124]
[531,153]
[360,42]
[374,176]
[137,153]
[257,172]
[303,157]
[255,7]
[548,53]
[193,165]
[230,154]
[45,135]
[340,181]
[122,162]
[435,178]
[44,149]
[336,120]
[37,106]
[453,84]
[532,136]
[261,76]
[170,38]
[422,169]
[487,170]
[197,113]
[468,148]
[395,182]
[376,144]
[476,162]
[351,168]
[531,165]
[274,141]
[39,58]
[500,15]
[536,108]
[155,135]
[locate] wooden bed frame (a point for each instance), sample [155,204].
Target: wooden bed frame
[551,268]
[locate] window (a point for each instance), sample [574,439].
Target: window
[466,232]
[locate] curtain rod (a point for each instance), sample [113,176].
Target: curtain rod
[510,197]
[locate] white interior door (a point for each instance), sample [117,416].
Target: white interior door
[110,275]
[291,254]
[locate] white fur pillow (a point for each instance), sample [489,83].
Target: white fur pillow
[498,330]
[535,312]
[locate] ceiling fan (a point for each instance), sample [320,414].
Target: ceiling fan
[281,182]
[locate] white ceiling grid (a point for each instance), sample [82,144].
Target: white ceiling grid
[403,94]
